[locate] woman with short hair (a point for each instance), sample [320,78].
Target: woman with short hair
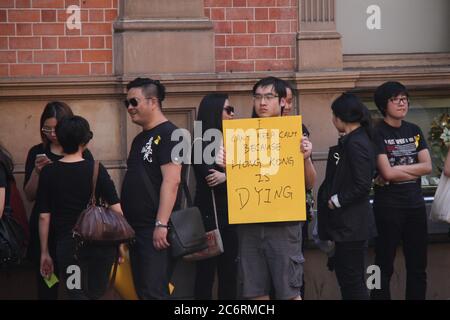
[40,155]
[64,191]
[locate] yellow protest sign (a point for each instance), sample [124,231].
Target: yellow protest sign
[264,165]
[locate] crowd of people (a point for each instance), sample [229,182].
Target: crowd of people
[260,260]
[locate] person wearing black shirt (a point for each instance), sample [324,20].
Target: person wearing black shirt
[6,176]
[64,191]
[38,157]
[399,207]
[287,110]
[344,195]
[211,181]
[150,154]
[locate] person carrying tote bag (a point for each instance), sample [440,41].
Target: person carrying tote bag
[440,210]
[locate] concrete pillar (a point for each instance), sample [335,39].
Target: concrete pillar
[319,45]
[171,36]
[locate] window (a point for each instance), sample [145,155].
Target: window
[393,26]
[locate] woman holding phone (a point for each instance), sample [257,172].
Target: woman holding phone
[40,155]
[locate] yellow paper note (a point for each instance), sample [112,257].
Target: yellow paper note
[51,281]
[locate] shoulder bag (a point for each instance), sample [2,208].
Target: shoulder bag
[101,225]
[186,230]
[214,240]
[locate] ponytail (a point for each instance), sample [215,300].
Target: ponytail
[350,109]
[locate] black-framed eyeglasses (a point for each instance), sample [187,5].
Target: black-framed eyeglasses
[133,102]
[229,109]
[267,97]
[398,100]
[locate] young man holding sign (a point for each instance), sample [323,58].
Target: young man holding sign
[270,253]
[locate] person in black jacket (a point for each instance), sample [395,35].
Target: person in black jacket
[213,109]
[344,195]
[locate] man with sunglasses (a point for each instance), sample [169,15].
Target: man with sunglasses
[150,164]
[399,207]
[270,256]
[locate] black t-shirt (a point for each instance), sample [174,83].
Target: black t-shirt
[4,183]
[150,149]
[39,149]
[401,145]
[65,189]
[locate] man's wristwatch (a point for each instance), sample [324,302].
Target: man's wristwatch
[159,224]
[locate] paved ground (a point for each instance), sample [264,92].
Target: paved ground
[320,283]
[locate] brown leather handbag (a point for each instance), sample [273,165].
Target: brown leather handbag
[101,225]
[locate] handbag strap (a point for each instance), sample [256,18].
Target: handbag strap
[151,190]
[215,208]
[92,201]
[116,265]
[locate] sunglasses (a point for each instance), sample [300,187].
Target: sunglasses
[133,102]
[229,110]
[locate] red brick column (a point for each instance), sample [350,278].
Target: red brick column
[254,35]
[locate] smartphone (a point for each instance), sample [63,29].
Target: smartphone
[41,155]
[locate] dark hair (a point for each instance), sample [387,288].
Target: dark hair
[279,86]
[350,109]
[210,111]
[288,85]
[150,88]
[73,132]
[53,109]
[6,162]
[386,91]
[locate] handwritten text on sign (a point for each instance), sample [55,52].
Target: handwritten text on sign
[265,177]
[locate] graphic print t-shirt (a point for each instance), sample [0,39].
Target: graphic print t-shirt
[401,145]
[152,148]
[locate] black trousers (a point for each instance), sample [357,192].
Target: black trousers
[226,267]
[409,226]
[95,264]
[34,255]
[151,268]
[350,269]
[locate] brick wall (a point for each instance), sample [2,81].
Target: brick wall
[250,35]
[35,41]
[254,35]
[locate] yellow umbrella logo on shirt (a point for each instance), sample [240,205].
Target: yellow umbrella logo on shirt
[417,139]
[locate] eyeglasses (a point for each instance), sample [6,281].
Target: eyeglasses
[268,97]
[229,109]
[398,100]
[133,102]
[48,130]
